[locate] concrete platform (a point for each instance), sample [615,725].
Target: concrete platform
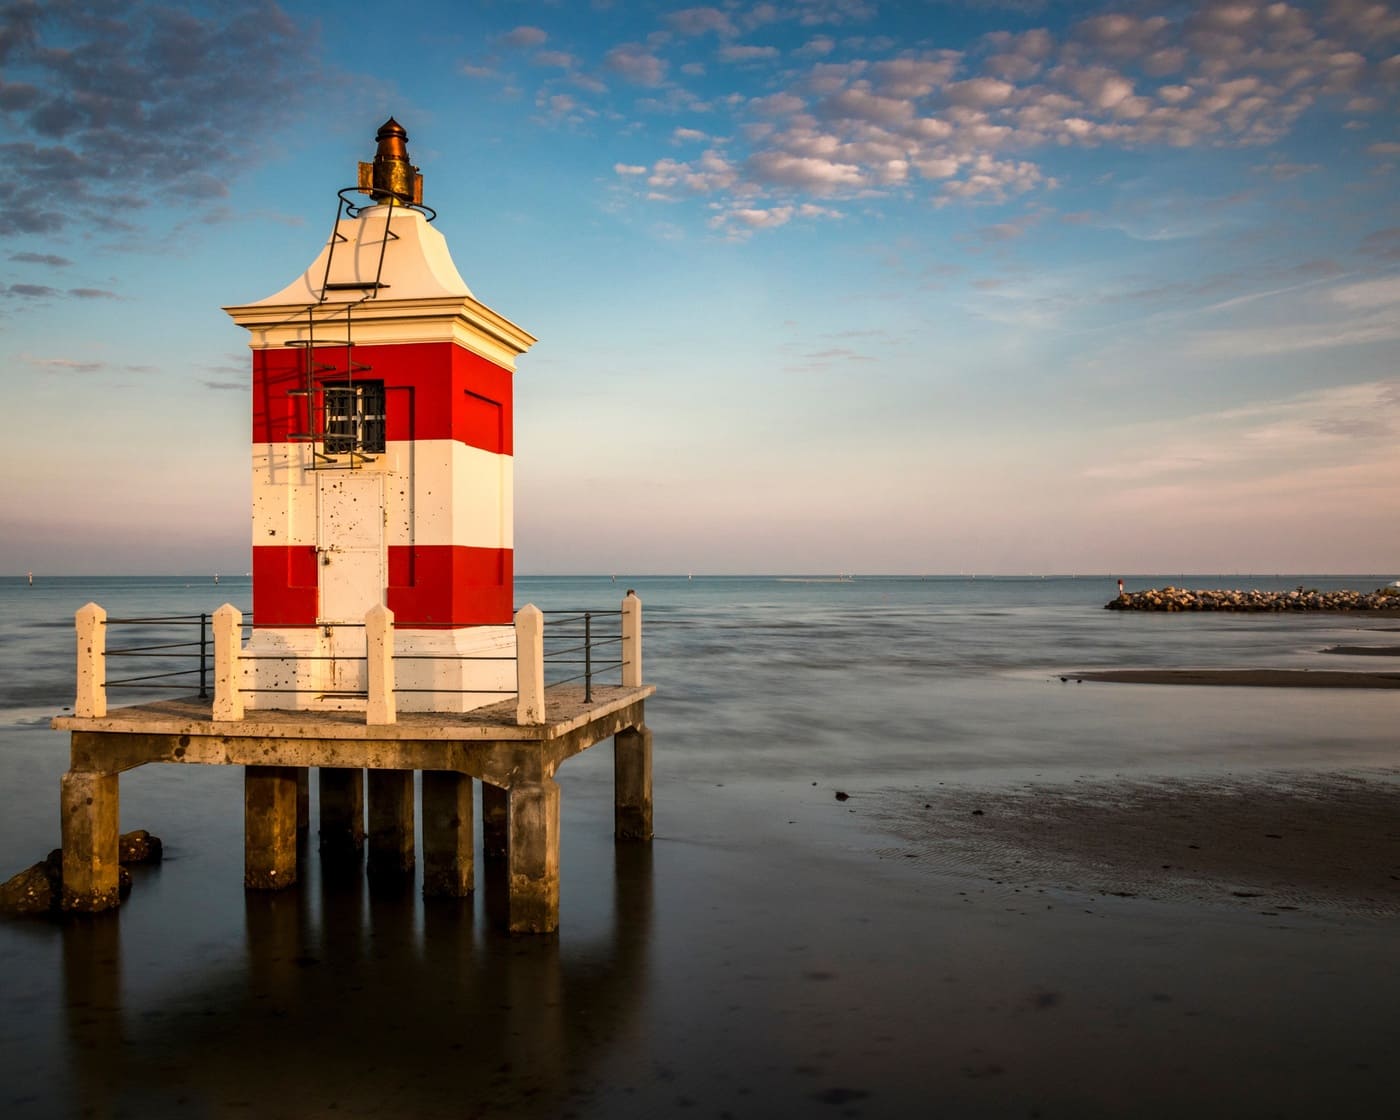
[516,763]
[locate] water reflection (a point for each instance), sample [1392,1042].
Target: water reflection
[354,1000]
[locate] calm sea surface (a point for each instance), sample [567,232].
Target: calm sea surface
[196,999]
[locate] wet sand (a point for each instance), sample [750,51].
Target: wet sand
[1242,678]
[1325,844]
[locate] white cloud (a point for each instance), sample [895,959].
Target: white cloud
[702,21]
[524,37]
[744,53]
[636,63]
[806,172]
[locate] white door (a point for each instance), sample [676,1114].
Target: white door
[350,544]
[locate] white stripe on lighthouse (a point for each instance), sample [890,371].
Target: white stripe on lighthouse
[439,492]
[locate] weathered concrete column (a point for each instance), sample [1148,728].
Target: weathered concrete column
[529,664]
[379,651]
[534,857]
[228,677]
[90,827]
[495,820]
[448,840]
[632,784]
[342,812]
[269,827]
[391,853]
[91,700]
[303,800]
[631,640]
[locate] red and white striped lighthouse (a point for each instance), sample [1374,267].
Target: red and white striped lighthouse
[382,463]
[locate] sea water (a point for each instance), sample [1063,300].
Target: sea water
[772,693]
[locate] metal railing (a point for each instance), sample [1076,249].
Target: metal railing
[185,638]
[577,637]
[181,652]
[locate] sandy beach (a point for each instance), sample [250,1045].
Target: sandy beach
[1324,844]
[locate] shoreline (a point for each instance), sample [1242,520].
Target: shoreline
[1241,678]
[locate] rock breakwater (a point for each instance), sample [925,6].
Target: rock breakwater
[1300,599]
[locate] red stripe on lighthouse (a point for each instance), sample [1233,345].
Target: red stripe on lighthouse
[433,390]
[430,586]
[284,585]
[451,585]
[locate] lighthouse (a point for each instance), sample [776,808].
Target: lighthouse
[382,462]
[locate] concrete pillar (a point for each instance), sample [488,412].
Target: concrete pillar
[379,651]
[529,665]
[342,812]
[391,852]
[448,840]
[91,701]
[631,641]
[534,857]
[90,828]
[495,818]
[269,827]
[303,800]
[632,784]
[228,677]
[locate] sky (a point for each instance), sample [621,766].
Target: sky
[819,285]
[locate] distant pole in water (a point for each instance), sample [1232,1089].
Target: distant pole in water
[216,577]
[31,579]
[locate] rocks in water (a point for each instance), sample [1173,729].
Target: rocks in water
[39,889]
[1300,599]
[29,892]
[139,847]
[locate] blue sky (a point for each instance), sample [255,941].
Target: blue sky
[820,285]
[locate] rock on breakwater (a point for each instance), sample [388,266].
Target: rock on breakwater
[1300,599]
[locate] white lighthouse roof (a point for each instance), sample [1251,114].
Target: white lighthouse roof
[386,252]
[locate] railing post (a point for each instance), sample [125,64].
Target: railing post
[228,636]
[631,640]
[529,665]
[379,649]
[587,657]
[203,656]
[91,701]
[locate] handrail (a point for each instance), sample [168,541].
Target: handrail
[598,646]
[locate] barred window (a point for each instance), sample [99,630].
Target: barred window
[354,417]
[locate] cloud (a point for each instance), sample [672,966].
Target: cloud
[702,21]
[742,53]
[92,293]
[116,109]
[1271,439]
[524,37]
[689,136]
[51,259]
[559,60]
[31,291]
[821,176]
[637,64]
[982,124]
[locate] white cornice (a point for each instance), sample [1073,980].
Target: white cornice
[384,322]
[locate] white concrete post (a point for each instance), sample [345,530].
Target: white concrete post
[529,664]
[92,662]
[379,649]
[631,641]
[228,678]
